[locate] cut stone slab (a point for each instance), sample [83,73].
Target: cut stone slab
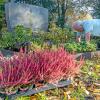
[7,53]
[87,55]
[29,16]
[41,89]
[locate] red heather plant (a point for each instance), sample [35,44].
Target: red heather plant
[29,66]
[17,70]
[47,65]
[55,65]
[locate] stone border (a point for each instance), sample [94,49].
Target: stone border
[87,55]
[7,53]
[39,89]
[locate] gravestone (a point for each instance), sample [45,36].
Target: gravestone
[29,16]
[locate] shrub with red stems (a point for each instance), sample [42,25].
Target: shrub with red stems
[17,70]
[55,65]
[48,65]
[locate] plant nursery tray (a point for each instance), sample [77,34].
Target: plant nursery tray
[39,89]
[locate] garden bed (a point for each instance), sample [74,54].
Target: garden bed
[49,86]
[84,87]
[36,71]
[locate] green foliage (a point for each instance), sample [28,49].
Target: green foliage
[2,17]
[7,40]
[22,34]
[38,47]
[67,31]
[23,98]
[11,39]
[42,96]
[58,37]
[91,69]
[55,34]
[78,93]
[2,1]
[35,46]
[73,46]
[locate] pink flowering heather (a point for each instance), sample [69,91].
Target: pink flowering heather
[55,65]
[19,69]
[47,65]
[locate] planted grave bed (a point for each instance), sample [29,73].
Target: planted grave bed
[45,67]
[83,86]
[39,86]
[42,59]
[36,69]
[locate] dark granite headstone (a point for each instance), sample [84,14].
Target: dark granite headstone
[27,15]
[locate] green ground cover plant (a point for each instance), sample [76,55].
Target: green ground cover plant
[83,46]
[19,36]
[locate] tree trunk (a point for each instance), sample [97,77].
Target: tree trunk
[62,13]
[63,10]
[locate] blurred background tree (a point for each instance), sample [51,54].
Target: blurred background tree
[97,9]
[2,15]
